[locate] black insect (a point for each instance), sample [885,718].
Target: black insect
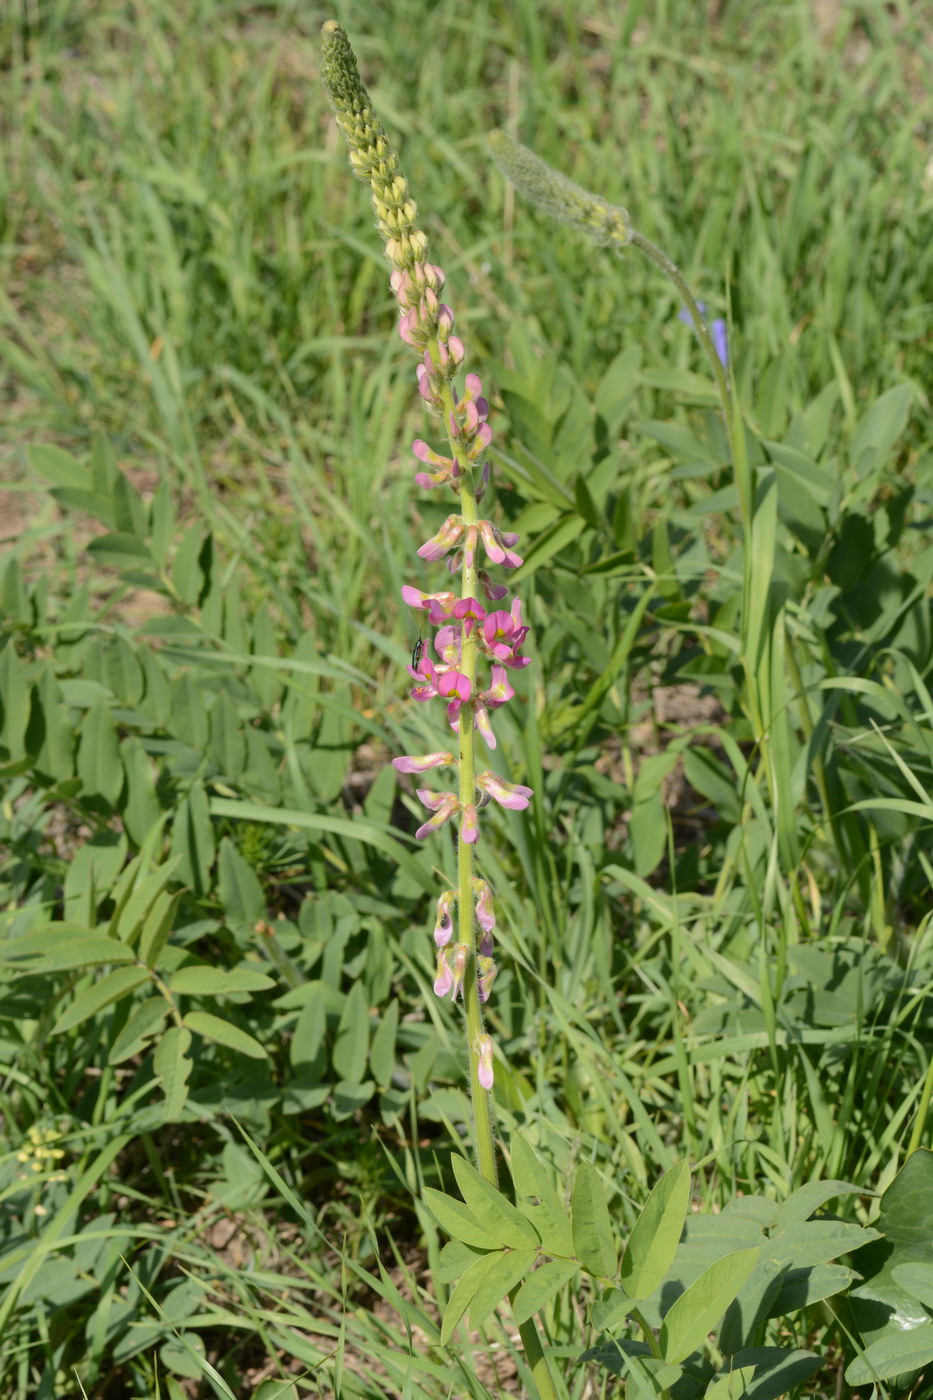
[417,652]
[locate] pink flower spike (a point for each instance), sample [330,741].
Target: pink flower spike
[444,924]
[454,683]
[511,795]
[485,914]
[406,763]
[445,539]
[443,804]
[469,825]
[484,1070]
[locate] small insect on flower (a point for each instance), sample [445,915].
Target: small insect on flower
[417,652]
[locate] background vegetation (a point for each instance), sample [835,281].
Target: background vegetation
[219,1121]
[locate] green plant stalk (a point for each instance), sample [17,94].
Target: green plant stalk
[481,1099]
[374,161]
[744,485]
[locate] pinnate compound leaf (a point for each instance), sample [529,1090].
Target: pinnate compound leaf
[465,1291]
[541,1285]
[611,1309]
[158,926]
[121,551]
[592,1228]
[457,1219]
[109,988]
[538,1200]
[213,1028]
[382,1050]
[894,1354]
[58,467]
[732,1386]
[906,1222]
[502,1272]
[99,766]
[145,1021]
[55,952]
[205,981]
[193,840]
[917,1280]
[454,1259]
[801,1288]
[172,1066]
[629,1359]
[696,1312]
[774,1372]
[653,1241]
[801,1204]
[240,891]
[505,1224]
[351,1045]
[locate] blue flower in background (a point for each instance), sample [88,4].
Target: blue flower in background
[717,330]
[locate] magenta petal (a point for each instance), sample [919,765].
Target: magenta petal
[454,683]
[406,763]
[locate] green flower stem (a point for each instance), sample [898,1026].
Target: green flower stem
[483,1132]
[672,271]
[744,484]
